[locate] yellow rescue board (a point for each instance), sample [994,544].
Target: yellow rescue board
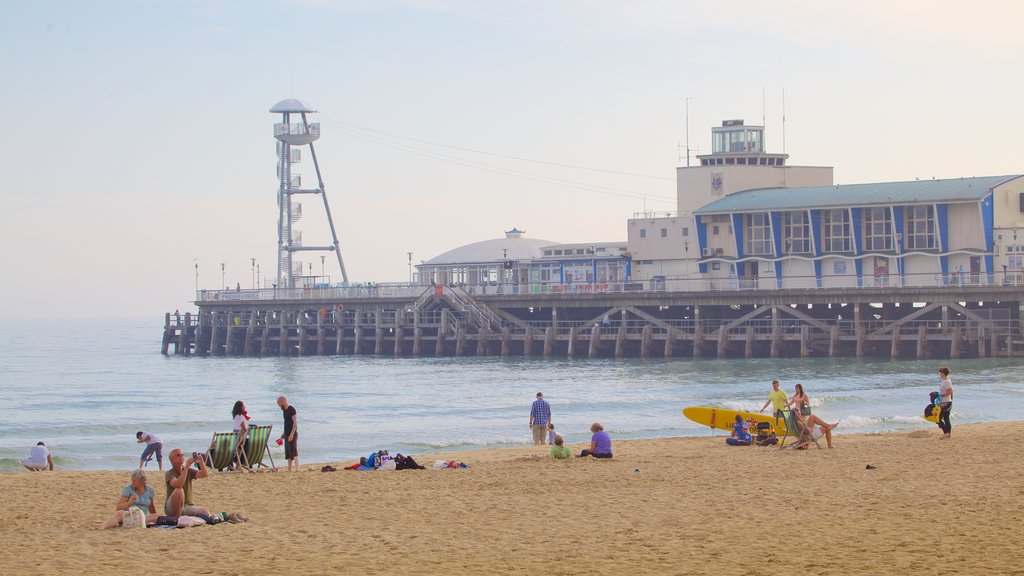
[724,419]
[934,416]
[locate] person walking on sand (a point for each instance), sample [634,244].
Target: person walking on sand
[153,447]
[291,433]
[540,416]
[777,398]
[945,401]
[38,459]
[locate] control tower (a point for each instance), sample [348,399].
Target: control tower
[292,133]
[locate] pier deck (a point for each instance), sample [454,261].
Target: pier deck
[919,322]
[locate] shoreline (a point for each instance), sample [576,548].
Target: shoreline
[695,506]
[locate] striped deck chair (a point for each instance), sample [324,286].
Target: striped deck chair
[222,450]
[794,430]
[259,437]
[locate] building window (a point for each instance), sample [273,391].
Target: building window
[920,229]
[877,229]
[686,232]
[836,228]
[796,229]
[643,233]
[714,229]
[664,232]
[758,234]
[600,249]
[580,251]
[547,252]
[558,252]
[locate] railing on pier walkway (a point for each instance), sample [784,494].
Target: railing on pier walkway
[952,280]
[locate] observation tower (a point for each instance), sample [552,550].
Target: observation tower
[292,133]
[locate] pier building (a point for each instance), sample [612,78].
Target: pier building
[761,259]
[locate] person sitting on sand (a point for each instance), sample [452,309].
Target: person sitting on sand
[559,450]
[740,433]
[138,495]
[39,459]
[179,485]
[600,443]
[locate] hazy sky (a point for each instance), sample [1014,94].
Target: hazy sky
[138,139]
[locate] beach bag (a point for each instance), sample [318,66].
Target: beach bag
[134,517]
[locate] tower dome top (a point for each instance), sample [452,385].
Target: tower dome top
[292,105]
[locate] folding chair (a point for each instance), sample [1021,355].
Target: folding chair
[222,450]
[796,430]
[254,452]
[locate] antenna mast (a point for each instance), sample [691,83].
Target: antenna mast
[687,131]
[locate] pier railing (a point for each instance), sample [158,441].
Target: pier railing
[658,284]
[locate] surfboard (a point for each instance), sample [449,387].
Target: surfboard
[724,419]
[934,416]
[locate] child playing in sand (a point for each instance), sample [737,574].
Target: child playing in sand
[558,448]
[551,433]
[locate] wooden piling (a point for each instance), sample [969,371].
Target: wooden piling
[620,338]
[595,336]
[954,344]
[460,337]
[833,341]
[399,330]
[481,341]
[417,337]
[894,343]
[184,338]
[748,348]
[922,342]
[670,339]
[805,341]
[698,337]
[528,342]
[549,341]
[571,352]
[506,341]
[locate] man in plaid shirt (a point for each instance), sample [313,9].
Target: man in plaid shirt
[540,417]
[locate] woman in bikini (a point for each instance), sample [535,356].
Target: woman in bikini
[801,405]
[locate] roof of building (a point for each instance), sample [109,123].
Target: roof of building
[292,105]
[880,193]
[513,247]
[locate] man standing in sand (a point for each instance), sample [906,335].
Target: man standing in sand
[179,485]
[540,416]
[777,398]
[291,433]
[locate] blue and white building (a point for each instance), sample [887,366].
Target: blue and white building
[918,233]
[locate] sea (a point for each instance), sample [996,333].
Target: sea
[85,387]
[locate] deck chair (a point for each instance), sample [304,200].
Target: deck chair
[257,449]
[796,431]
[222,450]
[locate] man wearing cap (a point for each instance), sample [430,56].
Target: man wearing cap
[540,416]
[153,446]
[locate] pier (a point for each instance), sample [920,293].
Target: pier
[604,321]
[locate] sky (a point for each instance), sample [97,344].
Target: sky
[139,143]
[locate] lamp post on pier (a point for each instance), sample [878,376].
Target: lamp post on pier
[197,279]
[253,268]
[409,254]
[222,276]
[322,275]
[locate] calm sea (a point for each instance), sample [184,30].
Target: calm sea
[85,388]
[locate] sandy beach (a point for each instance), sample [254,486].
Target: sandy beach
[695,506]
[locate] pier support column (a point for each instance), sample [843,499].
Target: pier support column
[357,340]
[858,329]
[698,336]
[250,328]
[320,333]
[833,341]
[439,343]
[339,334]
[460,340]
[922,348]
[168,335]
[595,337]
[670,341]
[894,346]
[549,341]
[805,341]
[399,333]
[481,341]
[282,334]
[774,347]
[620,337]
[378,346]
[571,352]
[417,336]
[528,342]
[302,334]
[645,341]
[748,348]
[954,344]
[185,337]
[981,341]
[215,319]
[993,344]
[723,339]
[506,341]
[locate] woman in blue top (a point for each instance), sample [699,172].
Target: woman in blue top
[138,495]
[600,443]
[740,433]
